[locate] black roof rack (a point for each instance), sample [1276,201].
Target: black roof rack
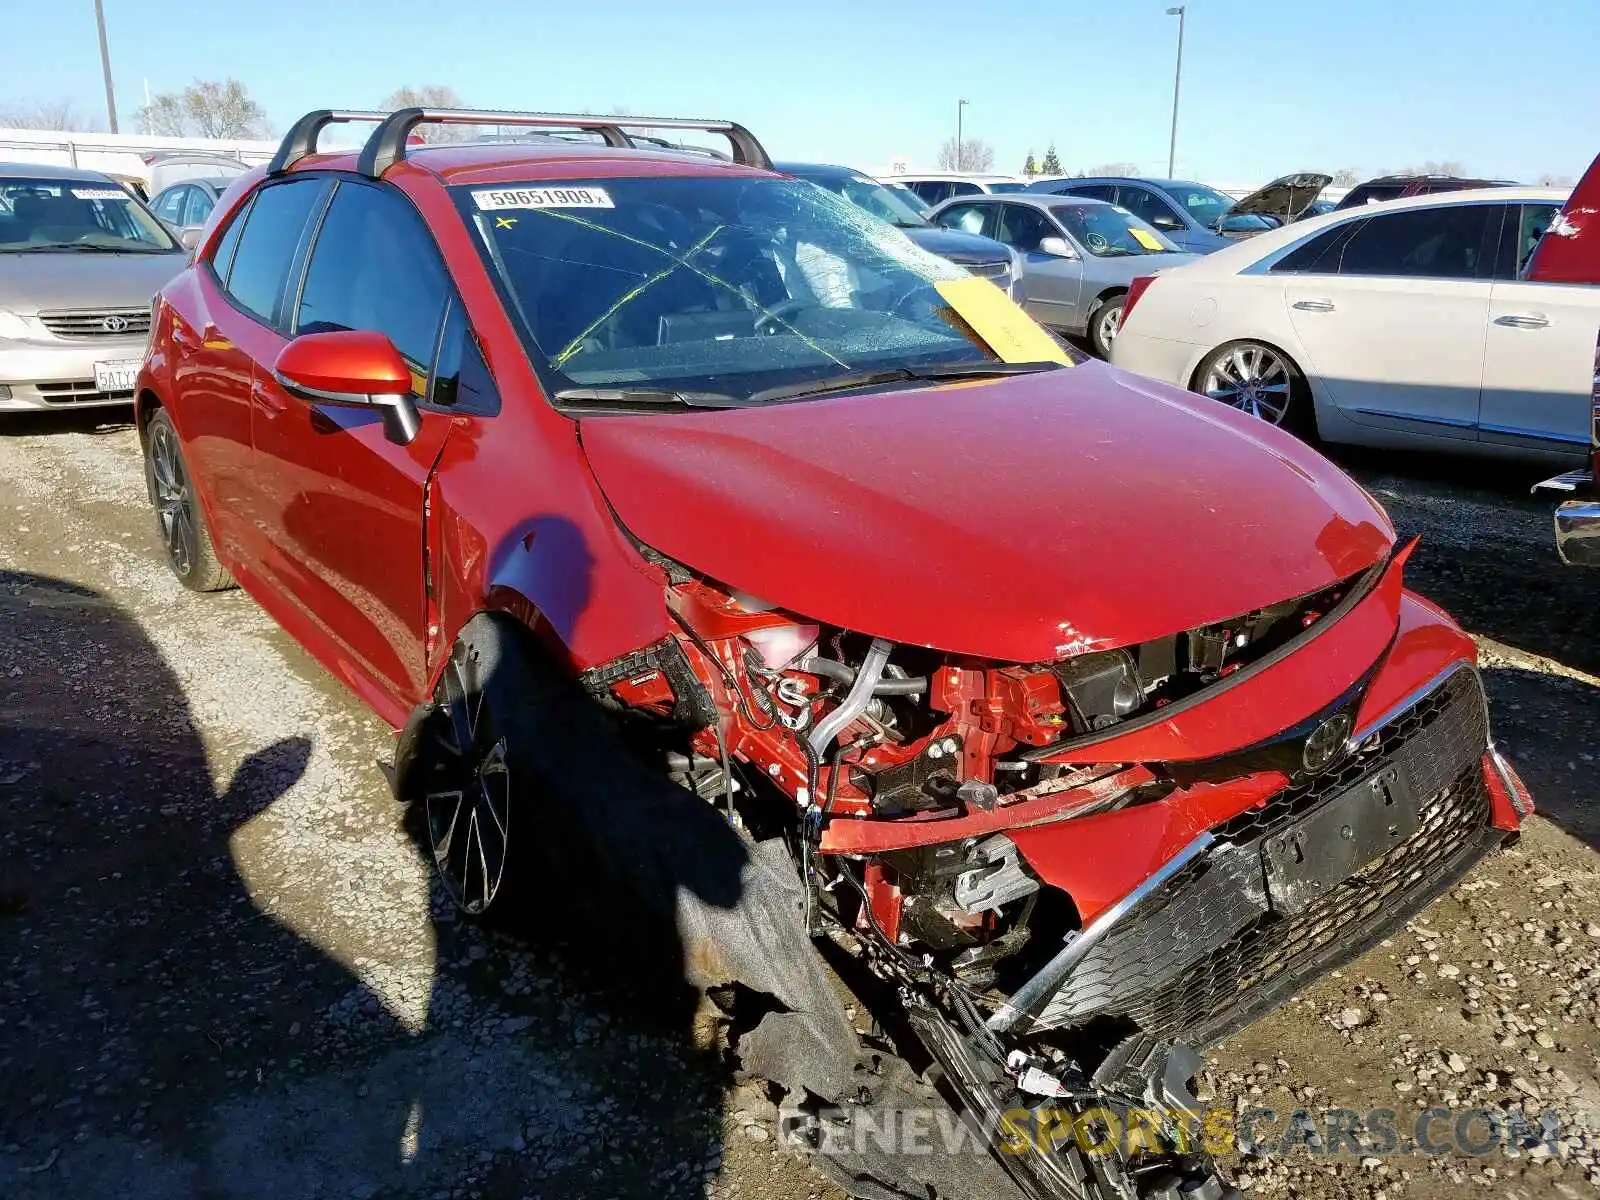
[387,145]
[301,139]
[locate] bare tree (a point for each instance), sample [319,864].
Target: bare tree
[1346,177]
[431,95]
[206,108]
[971,155]
[46,114]
[1448,167]
[1113,168]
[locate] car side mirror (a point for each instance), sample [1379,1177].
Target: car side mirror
[1057,247]
[1166,222]
[352,369]
[189,236]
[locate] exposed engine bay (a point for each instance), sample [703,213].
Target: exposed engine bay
[797,729]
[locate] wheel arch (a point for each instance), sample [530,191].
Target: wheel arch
[1313,400]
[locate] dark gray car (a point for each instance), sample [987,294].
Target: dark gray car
[1078,255]
[980,255]
[1197,218]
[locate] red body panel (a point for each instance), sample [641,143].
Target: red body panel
[1019,521]
[1132,509]
[1569,252]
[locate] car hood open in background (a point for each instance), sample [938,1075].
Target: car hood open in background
[44,281]
[1286,198]
[1020,519]
[957,246]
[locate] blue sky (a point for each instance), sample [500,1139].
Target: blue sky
[1503,89]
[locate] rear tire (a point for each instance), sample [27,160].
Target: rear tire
[1104,323]
[180,518]
[1259,380]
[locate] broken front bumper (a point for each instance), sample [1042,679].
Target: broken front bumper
[1578,519]
[1264,903]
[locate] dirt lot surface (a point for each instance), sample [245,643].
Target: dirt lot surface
[223,971]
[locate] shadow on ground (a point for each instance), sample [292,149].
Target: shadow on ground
[162,1034]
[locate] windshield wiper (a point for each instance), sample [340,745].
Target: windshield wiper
[861,379]
[88,248]
[638,399]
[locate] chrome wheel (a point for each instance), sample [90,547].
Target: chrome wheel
[1110,322]
[468,797]
[174,499]
[1252,379]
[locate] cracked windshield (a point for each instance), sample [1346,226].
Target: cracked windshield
[731,286]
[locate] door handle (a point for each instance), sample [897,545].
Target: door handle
[1523,320]
[269,404]
[1313,305]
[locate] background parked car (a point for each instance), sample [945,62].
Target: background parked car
[1194,216]
[1399,187]
[1403,324]
[980,255]
[937,186]
[1078,255]
[185,206]
[80,261]
[185,188]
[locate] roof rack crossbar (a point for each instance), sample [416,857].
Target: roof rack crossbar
[387,145]
[301,139]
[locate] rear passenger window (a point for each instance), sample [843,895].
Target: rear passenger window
[222,256]
[375,267]
[266,248]
[1428,243]
[933,190]
[1319,255]
[965,189]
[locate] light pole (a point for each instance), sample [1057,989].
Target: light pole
[1177,76]
[105,66]
[960,104]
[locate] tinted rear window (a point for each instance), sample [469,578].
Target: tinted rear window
[267,246]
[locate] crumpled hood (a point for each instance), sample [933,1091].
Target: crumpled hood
[958,246]
[42,282]
[1018,519]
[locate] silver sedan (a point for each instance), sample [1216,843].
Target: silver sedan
[1078,255]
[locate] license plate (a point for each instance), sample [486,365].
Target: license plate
[1336,840]
[118,376]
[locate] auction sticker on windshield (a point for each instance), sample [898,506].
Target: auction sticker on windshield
[1010,332]
[100,193]
[542,197]
[1145,238]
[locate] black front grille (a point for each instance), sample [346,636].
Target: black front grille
[1207,953]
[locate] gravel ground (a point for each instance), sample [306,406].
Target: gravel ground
[223,971]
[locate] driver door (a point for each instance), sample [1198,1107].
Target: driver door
[343,505]
[1054,284]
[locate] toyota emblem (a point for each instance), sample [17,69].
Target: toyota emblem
[1325,743]
[115,323]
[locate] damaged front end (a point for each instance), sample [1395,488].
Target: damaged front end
[1076,874]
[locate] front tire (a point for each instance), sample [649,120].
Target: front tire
[468,764]
[180,519]
[1104,323]
[1260,380]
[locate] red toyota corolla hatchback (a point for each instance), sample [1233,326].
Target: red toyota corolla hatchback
[1094,716]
